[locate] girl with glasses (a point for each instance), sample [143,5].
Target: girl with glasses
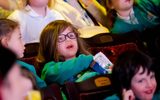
[62,54]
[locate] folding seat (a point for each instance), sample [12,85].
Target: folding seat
[31,49]
[51,92]
[95,88]
[112,52]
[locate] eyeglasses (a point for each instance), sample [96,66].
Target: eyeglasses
[62,37]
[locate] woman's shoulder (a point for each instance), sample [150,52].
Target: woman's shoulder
[17,15]
[56,14]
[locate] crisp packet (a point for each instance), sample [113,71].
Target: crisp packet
[103,61]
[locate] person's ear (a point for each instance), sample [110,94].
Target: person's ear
[4,42]
[109,5]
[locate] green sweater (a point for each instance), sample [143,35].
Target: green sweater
[40,83]
[147,13]
[60,72]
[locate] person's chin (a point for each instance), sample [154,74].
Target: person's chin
[21,56]
[148,97]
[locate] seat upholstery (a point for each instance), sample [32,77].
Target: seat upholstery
[95,88]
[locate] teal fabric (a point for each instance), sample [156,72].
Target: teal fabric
[157,96]
[86,75]
[115,97]
[147,13]
[40,83]
[60,72]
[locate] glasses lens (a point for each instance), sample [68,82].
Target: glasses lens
[61,38]
[71,35]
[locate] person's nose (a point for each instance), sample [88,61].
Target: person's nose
[67,38]
[23,44]
[149,84]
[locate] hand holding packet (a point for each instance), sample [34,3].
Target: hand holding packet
[102,64]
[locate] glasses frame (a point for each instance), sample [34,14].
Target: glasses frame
[66,35]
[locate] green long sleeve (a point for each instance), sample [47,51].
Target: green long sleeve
[59,72]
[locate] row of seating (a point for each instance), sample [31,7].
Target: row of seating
[98,87]
[95,88]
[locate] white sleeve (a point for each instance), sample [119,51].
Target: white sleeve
[58,15]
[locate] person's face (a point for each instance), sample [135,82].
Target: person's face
[16,86]
[38,3]
[121,5]
[144,85]
[15,43]
[67,44]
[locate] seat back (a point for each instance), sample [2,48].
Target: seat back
[30,53]
[51,92]
[95,88]
[29,60]
[151,37]
[112,52]
[108,39]
[99,40]
[31,49]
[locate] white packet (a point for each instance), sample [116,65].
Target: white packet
[103,61]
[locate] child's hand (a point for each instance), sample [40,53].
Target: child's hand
[128,95]
[103,62]
[96,67]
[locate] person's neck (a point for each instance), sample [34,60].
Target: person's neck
[125,13]
[70,57]
[40,10]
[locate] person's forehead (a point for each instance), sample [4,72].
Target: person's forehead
[143,72]
[67,30]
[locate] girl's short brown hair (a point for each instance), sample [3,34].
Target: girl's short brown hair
[49,39]
[7,26]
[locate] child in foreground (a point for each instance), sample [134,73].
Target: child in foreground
[133,77]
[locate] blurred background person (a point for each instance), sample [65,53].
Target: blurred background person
[14,86]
